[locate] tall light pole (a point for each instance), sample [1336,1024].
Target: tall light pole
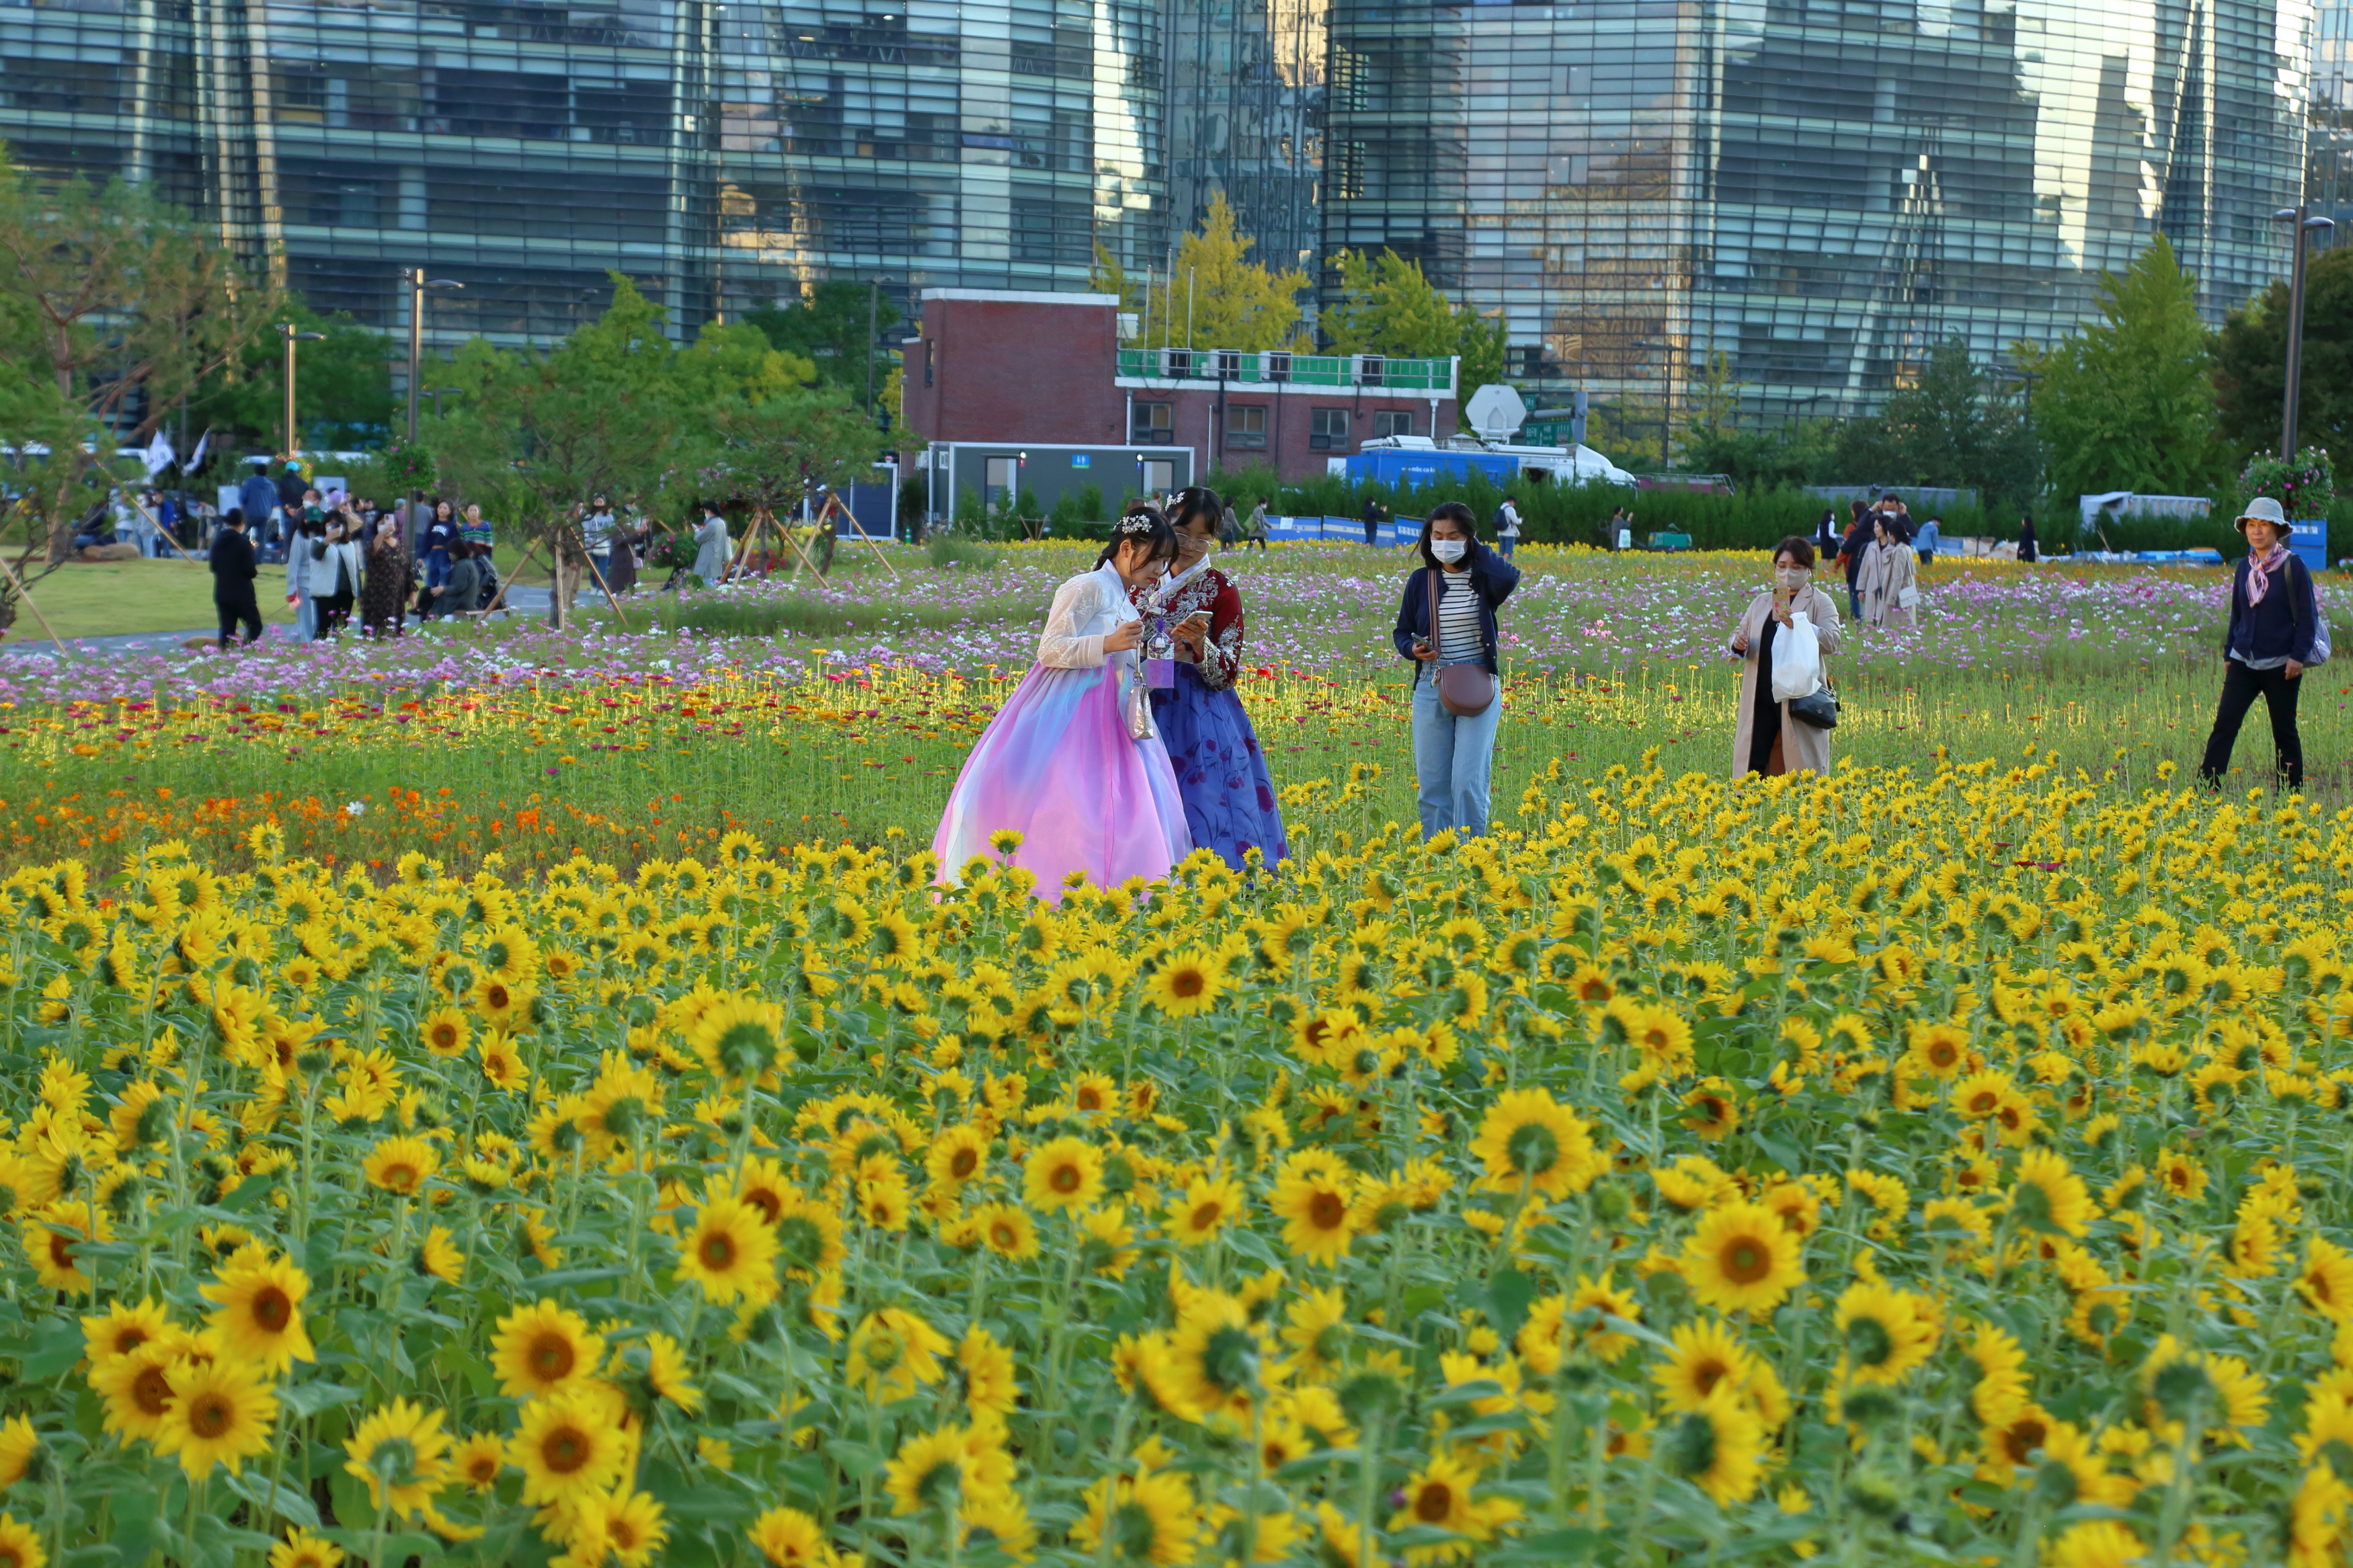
[2305,224]
[418,283]
[286,331]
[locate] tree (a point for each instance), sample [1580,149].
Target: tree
[113,309]
[2125,403]
[343,383]
[1387,307]
[616,409]
[1215,297]
[1714,441]
[771,453]
[2251,365]
[1954,426]
[828,326]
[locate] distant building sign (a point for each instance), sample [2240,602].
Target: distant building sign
[1080,460]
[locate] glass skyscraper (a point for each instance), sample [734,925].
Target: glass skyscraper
[1817,190]
[717,154]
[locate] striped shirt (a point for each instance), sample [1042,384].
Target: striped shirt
[1459,641]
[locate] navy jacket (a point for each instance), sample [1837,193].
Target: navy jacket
[1490,574]
[2286,624]
[259,496]
[232,562]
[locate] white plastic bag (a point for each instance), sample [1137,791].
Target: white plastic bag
[1797,661]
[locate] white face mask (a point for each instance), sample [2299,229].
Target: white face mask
[1447,549]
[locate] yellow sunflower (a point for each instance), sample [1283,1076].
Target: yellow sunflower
[1714,1446]
[1150,1518]
[445,1033]
[893,1353]
[788,1538]
[1312,1199]
[2326,1281]
[300,1548]
[1186,985]
[20,1544]
[1207,1206]
[1886,1332]
[122,1329]
[542,1348]
[567,1449]
[1741,1257]
[730,1251]
[1061,1174]
[221,1414]
[1006,1230]
[401,1454]
[958,1155]
[259,1310]
[1528,1138]
[2049,1198]
[401,1165]
[478,1461]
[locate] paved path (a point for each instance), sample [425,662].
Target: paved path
[523,602]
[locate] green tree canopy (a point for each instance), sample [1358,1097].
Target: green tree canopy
[1387,307]
[343,383]
[1227,300]
[827,328]
[2125,403]
[1955,426]
[2251,366]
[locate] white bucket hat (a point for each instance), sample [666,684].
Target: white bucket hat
[2262,509]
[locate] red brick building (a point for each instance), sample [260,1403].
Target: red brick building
[1015,367]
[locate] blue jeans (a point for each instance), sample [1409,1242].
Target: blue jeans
[437,568]
[1503,542]
[1452,759]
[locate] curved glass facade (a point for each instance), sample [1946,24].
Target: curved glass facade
[1817,190]
[718,154]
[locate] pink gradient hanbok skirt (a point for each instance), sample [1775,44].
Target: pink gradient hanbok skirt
[1058,766]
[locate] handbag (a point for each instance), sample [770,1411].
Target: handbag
[1818,709]
[1465,690]
[1906,598]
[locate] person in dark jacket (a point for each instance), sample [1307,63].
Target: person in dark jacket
[233,574]
[1453,753]
[2027,549]
[257,499]
[1373,516]
[2276,634]
[1861,531]
[460,592]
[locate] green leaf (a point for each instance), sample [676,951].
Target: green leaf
[56,1347]
[1509,1295]
[857,1460]
[307,1399]
[255,1488]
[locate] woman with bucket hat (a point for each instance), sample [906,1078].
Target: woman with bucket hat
[2277,632]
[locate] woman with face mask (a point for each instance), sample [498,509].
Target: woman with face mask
[1193,620]
[1446,625]
[1768,740]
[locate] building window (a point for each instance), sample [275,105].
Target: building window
[1327,429]
[1246,426]
[1392,422]
[1155,424]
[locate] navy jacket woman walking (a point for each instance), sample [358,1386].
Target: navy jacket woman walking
[2276,634]
[1453,753]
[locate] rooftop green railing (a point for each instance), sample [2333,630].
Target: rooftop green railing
[1270,368]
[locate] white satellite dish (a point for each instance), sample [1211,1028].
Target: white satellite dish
[1495,412]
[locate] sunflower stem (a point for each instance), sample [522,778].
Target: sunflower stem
[1368,1490]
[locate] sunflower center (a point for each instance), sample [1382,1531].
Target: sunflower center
[552,1358]
[565,1450]
[770,1207]
[1132,1531]
[1532,1148]
[963,1163]
[1327,1210]
[716,1251]
[1226,1359]
[209,1415]
[1003,1236]
[1065,1179]
[152,1391]
[1942,1053]
[272,1310]
[1433,1502]
[1187,984]
[1868,1341]
[1747,1260]
[128,1339]
[400,1178]
[2023,1438]
[1207,1215]
[1707,1374]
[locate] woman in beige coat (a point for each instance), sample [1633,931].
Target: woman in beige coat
[1769,740]
[1889,569]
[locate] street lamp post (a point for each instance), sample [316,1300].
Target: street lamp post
[2305,225]
[286,331]
[418,283]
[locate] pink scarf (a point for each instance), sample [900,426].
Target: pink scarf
[2259,572]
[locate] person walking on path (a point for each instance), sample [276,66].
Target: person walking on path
[2277,632]
[1453,752]
[1769,740]
[231,558]
[1852,545]
[1374,514]
[2027,549]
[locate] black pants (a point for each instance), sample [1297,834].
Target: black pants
[332,613]
[2240,687]
[232,612]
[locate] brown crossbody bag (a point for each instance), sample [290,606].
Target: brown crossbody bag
[1465,690]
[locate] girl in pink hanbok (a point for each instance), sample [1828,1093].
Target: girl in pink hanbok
[1073,762]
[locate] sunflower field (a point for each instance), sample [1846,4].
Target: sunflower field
[1693,1172]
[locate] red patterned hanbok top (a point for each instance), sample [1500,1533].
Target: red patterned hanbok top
[1211,590]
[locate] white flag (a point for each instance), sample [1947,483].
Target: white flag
[159,453]
[197,462]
